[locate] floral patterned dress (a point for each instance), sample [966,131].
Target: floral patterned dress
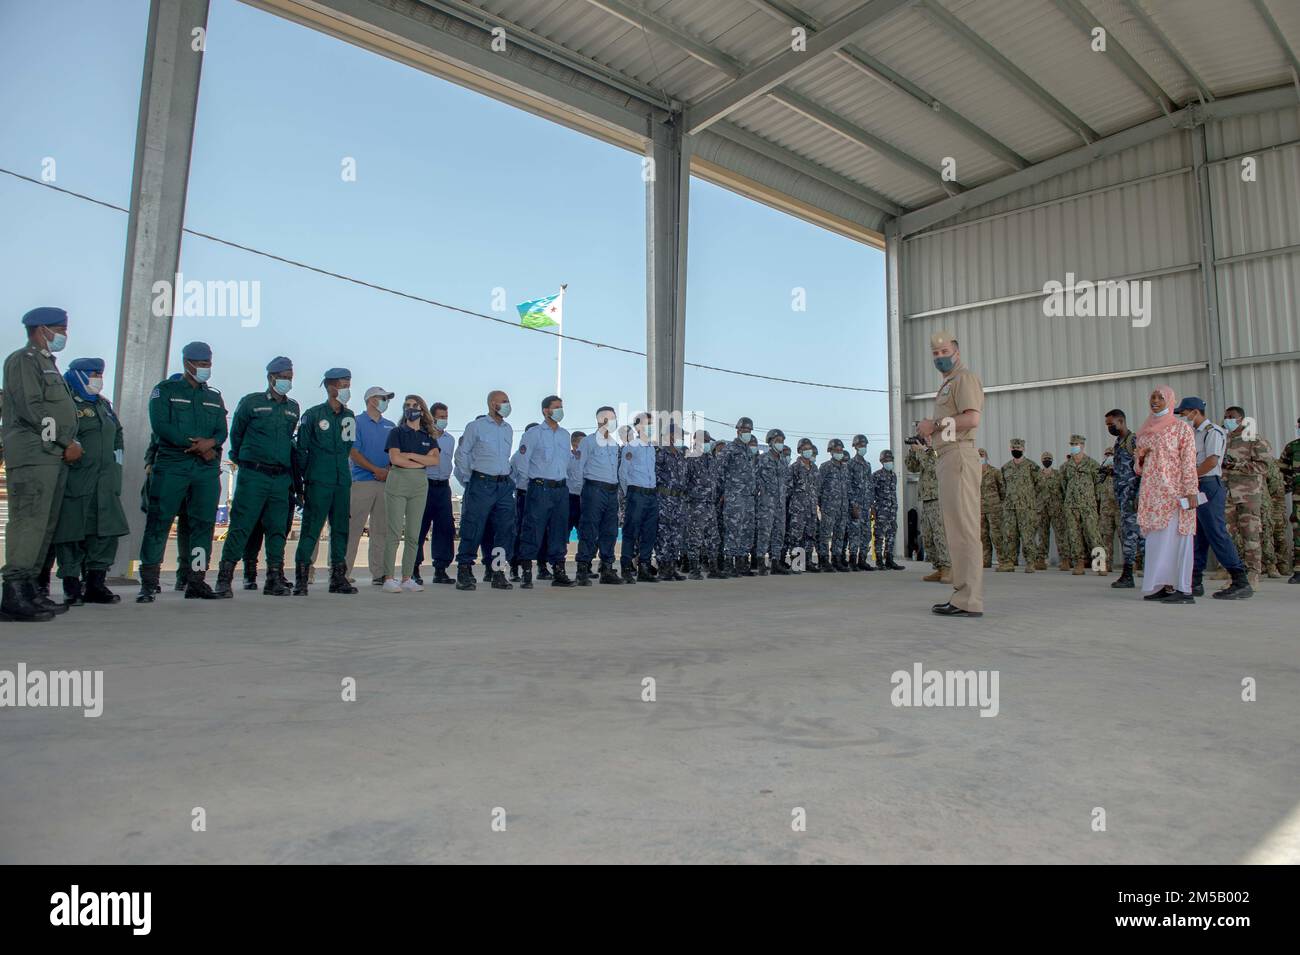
[1168,473]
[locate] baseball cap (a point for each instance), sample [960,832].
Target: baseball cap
[371,392]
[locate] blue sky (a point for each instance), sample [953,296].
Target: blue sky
[455,195]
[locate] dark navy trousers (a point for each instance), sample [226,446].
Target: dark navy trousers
[1212,529]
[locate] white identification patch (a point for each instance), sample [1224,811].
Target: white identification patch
[324,425]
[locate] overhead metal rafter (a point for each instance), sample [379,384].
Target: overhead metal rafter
[759,80]
[891,79]
[1130,67]
[1267,16]
[1167,45]
[990,54]
[656,25]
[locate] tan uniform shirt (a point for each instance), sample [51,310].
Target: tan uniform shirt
[961,391]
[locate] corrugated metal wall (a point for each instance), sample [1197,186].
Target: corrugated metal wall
[1132,215]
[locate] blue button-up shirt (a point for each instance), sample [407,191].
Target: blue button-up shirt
[637,465]
[371,437]
[446,444]
[573,474]
[546,452]
[485,447]
[599,458]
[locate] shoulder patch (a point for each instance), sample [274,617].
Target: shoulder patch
[156,393]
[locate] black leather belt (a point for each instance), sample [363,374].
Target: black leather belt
[603,485]
[671,492]
[437,483]
[489,477]
[274,470]
[543,482]
[634,489]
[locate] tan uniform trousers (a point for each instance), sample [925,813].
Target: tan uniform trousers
[958,468]
[367,507]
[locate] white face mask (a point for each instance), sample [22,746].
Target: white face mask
[382,405]
[557,415]
[440,424]
[504,410]
[343,395]
[1161,414]
[94,386]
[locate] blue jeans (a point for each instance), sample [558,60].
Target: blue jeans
[640,526]
[486,503]
[599,523]
[1212,530]
[546,514]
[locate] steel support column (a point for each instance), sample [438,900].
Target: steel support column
[169,93]
[1209,276]
[893,332]
[667,176]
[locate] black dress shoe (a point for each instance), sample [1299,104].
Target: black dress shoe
[1178,597]
[948,610]
[1160,594]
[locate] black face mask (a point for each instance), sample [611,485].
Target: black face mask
[1047,462]
[1113,430]
[1017,454]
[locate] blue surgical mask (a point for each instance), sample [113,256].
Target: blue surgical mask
[861,450]
[382,405]
[887,465]
[1076,448]
[707,447]
[343,394]
[283,385]
[557,415]
[1230,423]
[753,447]
[504,410]
[806,454]
[58,342]
[202,374]
[945,363]
[838,455]
[778,446]
[440,424]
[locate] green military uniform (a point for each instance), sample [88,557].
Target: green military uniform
[1051,517]
[1107,511]
[39,423]
[1245,464]
[323,445]
[921,460]
[179,411]
[182,518]
[993,492]
[1289,461]
[1080,476]
[1019,510]
[1277,561]
[261,445]
[92,518]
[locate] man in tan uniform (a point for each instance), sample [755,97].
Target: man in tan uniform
[957,409]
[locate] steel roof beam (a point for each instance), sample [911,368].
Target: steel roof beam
[1167,45]
[1279,36]
[1130,67]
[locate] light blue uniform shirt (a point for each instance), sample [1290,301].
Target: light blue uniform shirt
[547,454]
[1210,440]
[442,472]
[636,467]
[485,447]
[599,458]
[574,473]
[519,470]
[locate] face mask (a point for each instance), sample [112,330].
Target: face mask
[983,460]
[887,465]
[806,454]
[838,455]
[945,363]
[707,447]
[504,410]
[382,406]
[1076,448]
[343,395]
[1161,414]
[58,342]
[1230,424]
[742,437]
[282,385]
[862,450]
[94,386]
[202,374]
[557,415]
[753,448]
[413,414]
[440,424]
[1017,454]
[778,446]
[1047,462]
[1114,431]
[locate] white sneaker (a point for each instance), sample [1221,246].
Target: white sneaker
[410,585]
[392,587]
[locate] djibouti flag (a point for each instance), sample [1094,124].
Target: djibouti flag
[542,312]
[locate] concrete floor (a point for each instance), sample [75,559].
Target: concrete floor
[772,693]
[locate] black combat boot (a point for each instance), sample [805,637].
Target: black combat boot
[1295,578]
[301,577]
[824,564]
[440,574]
[1126,578]
[713,569]
[97,591]
[629,575]
[182,578]
[866,564]
[17,605]
[1198,588]
[779,569]
[608,575]
[40,594]
[559,576]
[645,574]
[72,592]
[225,577]
[149,584]
[339,579]
[1238,589]
[276,585]
[892,564]
[693,564]
[526,569]
[487,573]
[250,574]
[584,573]
[674,572]
[762,566]
[196,588]
[499,581]
[542,572]
[514,571]
[465,577]
[744,567]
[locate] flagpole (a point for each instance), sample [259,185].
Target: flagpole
[559,345]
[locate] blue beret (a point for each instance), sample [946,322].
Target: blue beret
[1190,403]
[335,373]
[197,351]
[279,364]
[88,365]
[45,315]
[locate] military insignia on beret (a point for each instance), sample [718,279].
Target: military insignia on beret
[324,425]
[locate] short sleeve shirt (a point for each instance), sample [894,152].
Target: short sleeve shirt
[410,440]
[962,391]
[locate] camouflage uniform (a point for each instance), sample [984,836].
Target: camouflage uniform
[1019,510]
[859,529]
[737,481]
[1108,516]
[833,500]
[670,482]
[1275,555]
[1051,516]
[884,507]
[992,493]
[1126,483]
[920,460]
[769,505]
[802,493]
[1289,462]
[1080,476]
[702,507]
[1244,468]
